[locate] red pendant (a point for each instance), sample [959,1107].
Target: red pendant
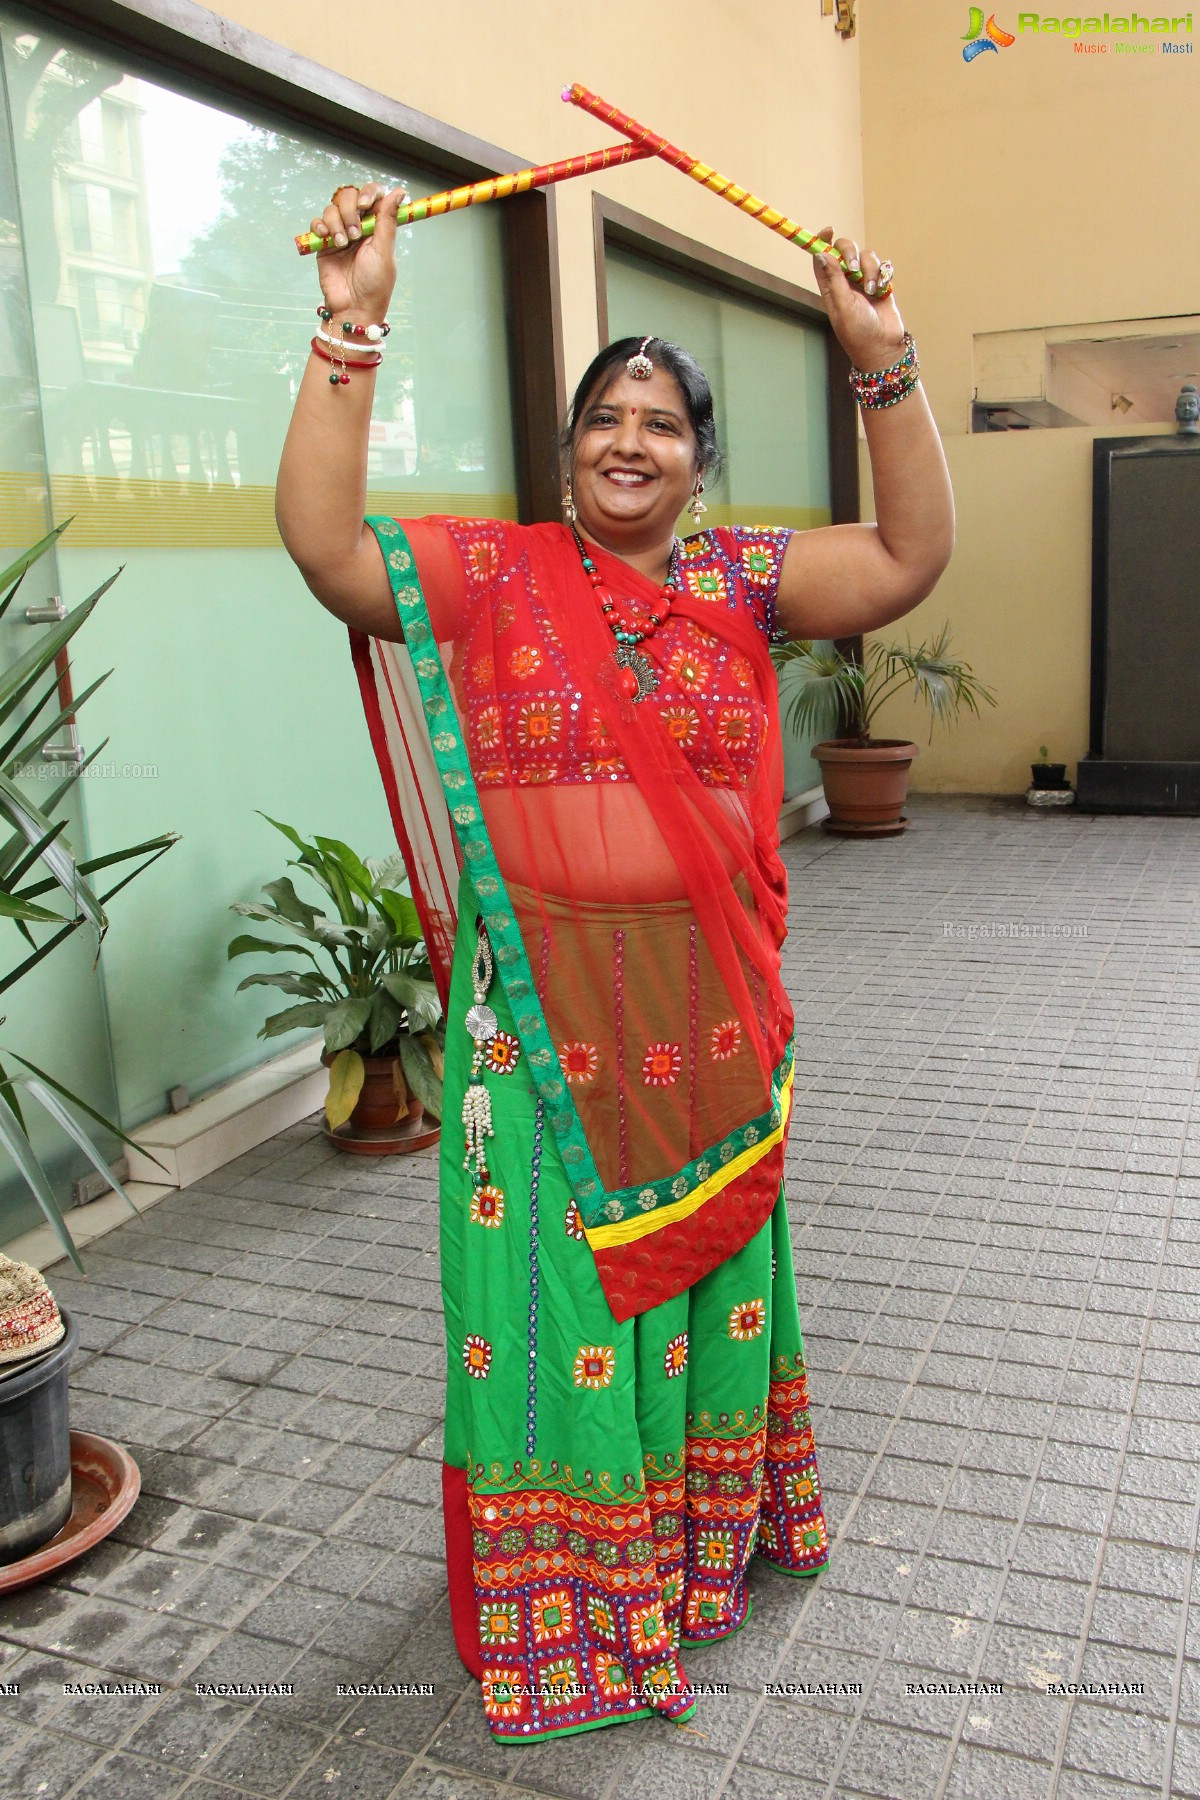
[630,683]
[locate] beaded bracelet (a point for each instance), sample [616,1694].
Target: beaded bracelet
[877,388]
[337,378]
[373,333]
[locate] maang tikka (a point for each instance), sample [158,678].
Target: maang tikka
[639,364]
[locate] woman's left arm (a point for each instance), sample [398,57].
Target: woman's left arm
[839,580]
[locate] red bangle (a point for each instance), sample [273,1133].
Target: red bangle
[336,379]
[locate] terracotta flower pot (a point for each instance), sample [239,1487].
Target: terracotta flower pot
[865,785]
[387,1120]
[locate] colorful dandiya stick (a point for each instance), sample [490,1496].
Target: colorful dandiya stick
[496,187]
[740,197]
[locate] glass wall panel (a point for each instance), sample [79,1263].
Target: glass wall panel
[769,373]
[171,319]
[55,1014]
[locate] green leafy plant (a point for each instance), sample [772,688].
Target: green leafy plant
[1043,753]
[39,848]
[828,689]
[369,987]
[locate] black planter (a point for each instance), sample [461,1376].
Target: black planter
[35,1449]
[1049,775]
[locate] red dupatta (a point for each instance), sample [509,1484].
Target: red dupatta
[625,859]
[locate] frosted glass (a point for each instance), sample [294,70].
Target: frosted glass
[55,1015]
[171,318]
[768,375]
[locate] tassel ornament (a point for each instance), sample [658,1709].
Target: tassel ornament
[482,1024]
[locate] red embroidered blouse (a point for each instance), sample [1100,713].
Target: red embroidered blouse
[525,718]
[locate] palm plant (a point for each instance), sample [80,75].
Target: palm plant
[373,994]
[830,690]
[38,846]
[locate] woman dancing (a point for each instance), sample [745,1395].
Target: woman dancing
[627,1412]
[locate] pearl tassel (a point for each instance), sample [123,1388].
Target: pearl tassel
[477,1127]
[482,1023]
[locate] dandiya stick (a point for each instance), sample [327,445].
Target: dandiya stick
[496,187]
[758,209]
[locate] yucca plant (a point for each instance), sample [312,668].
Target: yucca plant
[38,847]
[369,987]
[827,693]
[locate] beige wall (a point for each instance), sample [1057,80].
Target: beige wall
[999,189]
[720,78]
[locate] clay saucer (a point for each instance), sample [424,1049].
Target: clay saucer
[105,1482]
[391,1140]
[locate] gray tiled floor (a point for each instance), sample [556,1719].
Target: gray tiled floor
[995,1193]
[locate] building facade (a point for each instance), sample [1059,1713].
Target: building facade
[1036,201]
[156,160]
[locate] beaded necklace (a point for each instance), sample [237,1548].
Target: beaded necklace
[638,676]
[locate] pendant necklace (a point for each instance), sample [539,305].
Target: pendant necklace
[637,674]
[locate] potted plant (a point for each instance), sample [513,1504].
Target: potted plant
[36,863]
[1047,775]
[37,1342]
[369,988]
[1050,789]
[865,777]
[31,711]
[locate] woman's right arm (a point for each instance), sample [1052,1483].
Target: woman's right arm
[321,493]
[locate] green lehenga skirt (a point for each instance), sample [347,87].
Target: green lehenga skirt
[605,1484]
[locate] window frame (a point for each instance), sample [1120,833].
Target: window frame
[204,55]
[625,229]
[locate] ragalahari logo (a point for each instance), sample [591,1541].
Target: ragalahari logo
[980,37]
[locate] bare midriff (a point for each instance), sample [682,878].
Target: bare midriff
[599,843]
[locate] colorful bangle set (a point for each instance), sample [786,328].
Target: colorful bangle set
[368,351]
[877,388]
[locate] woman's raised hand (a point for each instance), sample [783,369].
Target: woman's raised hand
[869,329]
[357,273]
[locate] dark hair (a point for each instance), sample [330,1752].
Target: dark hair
[605,368]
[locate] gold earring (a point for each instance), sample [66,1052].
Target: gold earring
[697,506]
[568,504]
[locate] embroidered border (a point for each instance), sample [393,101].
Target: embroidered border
[579,1608]
[671,1212]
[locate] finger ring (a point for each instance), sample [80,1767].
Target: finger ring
[886,271]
